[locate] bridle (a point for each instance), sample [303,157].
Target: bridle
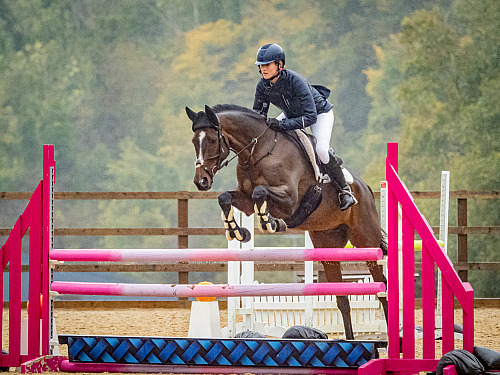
[199,163]
[221,162]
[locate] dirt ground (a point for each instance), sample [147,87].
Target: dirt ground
[174,322]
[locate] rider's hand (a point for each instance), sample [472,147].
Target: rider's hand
[274,124]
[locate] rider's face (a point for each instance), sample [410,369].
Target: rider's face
[269,70]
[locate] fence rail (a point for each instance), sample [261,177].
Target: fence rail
[183,231]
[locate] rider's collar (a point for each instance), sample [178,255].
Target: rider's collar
[268,81]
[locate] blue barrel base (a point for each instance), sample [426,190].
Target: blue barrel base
[252,352]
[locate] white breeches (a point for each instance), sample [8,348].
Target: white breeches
[322,130]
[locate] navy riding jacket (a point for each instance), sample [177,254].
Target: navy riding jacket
[297,99]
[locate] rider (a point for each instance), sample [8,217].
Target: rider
[302,105]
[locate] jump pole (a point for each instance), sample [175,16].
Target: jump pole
[215,255]
[433,255]
[282,314]
[216,290]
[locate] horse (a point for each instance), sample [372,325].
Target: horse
[273,177]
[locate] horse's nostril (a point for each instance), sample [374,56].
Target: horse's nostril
[202,183]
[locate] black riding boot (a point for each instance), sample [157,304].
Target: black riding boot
[334,170]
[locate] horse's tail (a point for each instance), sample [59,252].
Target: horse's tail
[383,242]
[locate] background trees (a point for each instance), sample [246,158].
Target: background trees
[107,83]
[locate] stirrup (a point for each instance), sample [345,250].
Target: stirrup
[349,193]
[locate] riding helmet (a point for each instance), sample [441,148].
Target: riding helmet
[269,53]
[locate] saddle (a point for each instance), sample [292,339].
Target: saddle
[307,143]
[313,196]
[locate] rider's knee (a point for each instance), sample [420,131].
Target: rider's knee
[323,153]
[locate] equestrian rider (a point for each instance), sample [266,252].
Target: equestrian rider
[302,105]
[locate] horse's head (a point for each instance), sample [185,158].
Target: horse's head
[209,144]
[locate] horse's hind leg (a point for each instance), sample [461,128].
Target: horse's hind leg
[368,233]
[233,230]
[333,274]
[266,221]
[336,238]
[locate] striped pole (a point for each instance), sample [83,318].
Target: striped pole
[216,255]
[217,290]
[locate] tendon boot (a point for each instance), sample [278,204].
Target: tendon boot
[334,170]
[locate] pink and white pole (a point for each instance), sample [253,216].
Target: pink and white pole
[215,255]
[218,290]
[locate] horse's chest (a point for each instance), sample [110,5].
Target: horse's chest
[248,184]
[249,178]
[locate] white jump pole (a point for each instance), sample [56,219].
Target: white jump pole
[240,273]
[444,209]
[308,279]
[247,275]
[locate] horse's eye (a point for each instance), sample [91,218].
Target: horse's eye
[213,141]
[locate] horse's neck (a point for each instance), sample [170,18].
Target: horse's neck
[241,130]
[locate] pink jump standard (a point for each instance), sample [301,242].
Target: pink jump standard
[432,254]
[38,218]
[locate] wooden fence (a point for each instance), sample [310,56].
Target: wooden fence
[183,231]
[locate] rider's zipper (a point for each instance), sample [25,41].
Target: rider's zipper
[286,102]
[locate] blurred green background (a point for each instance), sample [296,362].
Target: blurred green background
[106,82]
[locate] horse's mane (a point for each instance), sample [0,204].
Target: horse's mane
[234,107]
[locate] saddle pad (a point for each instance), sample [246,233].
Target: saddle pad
[308,146]
[306,142]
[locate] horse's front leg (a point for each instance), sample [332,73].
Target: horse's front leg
[243,202]
[266,221]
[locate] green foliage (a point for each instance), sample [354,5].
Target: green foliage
[107,83]
[443,69]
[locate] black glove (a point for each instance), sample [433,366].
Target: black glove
[274,124]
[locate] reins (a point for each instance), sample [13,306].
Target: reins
[224,163]
[252,143]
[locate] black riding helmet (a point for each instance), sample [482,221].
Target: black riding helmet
[269,53]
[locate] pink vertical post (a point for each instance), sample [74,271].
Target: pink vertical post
[428,301]
[448,318]
[35,215]
[392,257]
[3,251]
[408,288]
[15,293]
[468,319]
[49,175]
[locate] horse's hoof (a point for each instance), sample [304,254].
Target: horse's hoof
[281,225]
[247,236]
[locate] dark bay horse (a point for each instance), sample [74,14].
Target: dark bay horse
[273,176]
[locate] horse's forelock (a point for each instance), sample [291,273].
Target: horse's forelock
[201,121]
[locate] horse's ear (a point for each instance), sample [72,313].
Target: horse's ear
[191,114]
[212,117]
